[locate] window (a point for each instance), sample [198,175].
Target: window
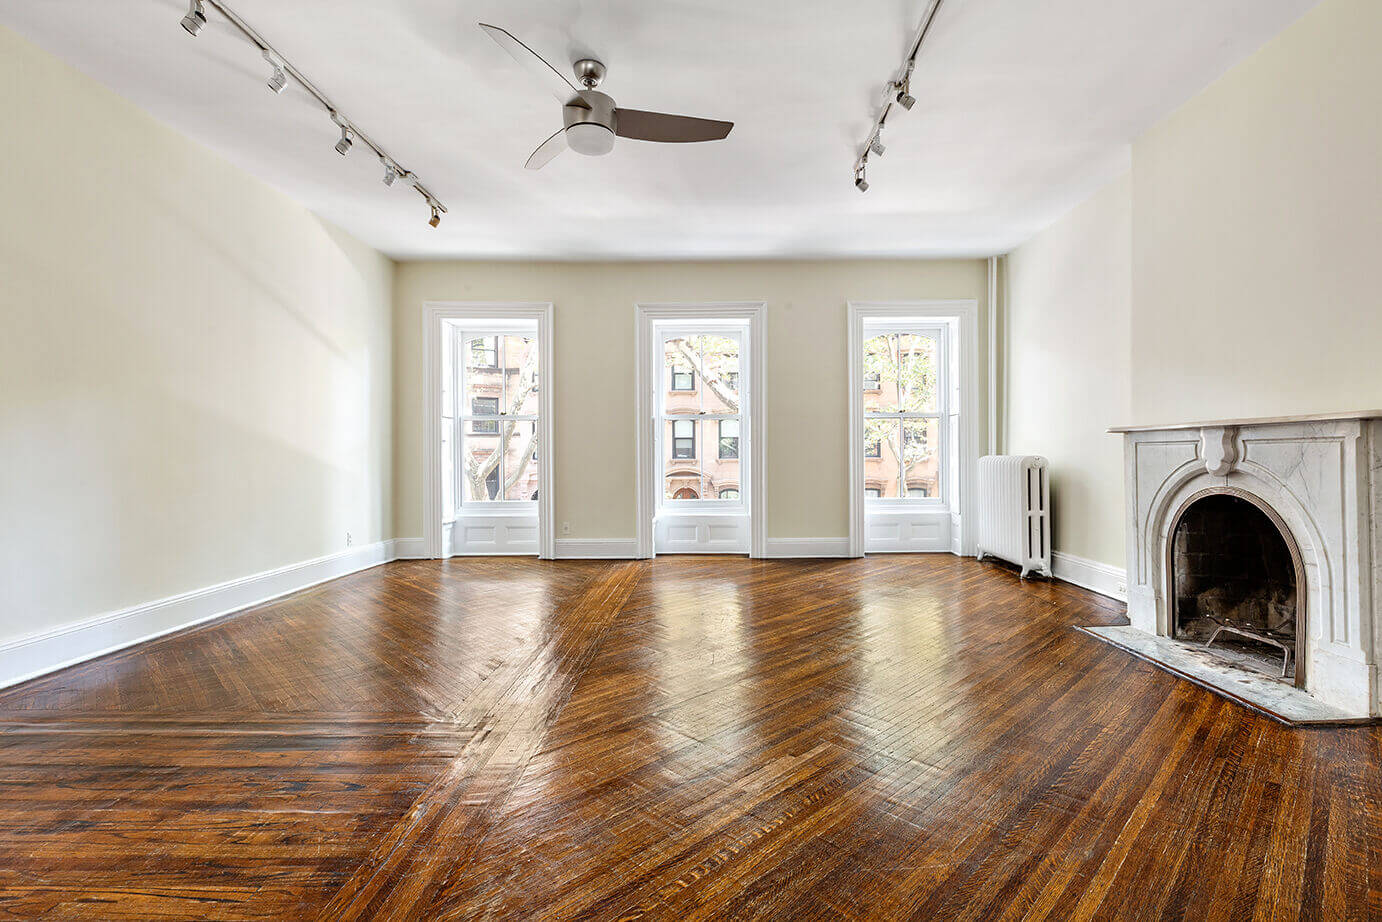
[484,406]
[497,456]
[729,443]
[701,421]
[904,395]
[684,439]
[484,352]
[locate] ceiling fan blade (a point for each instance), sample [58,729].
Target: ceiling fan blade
[562,88]
[673,129]
[546,151]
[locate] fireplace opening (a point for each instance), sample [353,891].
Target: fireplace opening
[1234,586]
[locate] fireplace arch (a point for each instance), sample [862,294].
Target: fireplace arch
[1217,581]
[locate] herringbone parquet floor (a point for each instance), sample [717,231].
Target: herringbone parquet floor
[894,737]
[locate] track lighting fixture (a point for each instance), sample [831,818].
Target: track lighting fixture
[896,92]
[195,18]
[279,81]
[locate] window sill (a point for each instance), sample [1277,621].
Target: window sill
[907,507]
[477,513]
[678,511]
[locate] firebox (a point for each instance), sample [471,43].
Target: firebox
[1235,585]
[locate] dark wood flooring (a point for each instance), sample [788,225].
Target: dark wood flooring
[896,737]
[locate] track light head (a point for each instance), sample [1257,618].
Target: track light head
[347,140]
[195,18]
[436,216]
[876,145]
[905,99]
[860,182]
[278,82]
[390,174]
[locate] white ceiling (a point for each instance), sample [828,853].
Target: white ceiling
[1023,109]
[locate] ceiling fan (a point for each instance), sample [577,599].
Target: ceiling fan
[590,118]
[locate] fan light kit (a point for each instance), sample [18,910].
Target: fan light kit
[590,119]
[899,93]
[278,82]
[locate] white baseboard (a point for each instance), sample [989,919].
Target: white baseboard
[1091,575]
[595,549]
[409,549]
[807,547]
[32,655]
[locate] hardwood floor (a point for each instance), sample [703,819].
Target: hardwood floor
[895,737]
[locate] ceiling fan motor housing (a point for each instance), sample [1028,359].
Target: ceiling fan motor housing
[590,127]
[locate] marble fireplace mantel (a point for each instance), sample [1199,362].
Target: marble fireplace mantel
[1322,475]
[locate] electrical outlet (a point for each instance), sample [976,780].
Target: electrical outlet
[1122,588]
[566,528]
[349,539]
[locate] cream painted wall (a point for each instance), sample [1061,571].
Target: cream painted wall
[806,431]
[1068,320]
[195,372]
[1256,217]
[1257,224]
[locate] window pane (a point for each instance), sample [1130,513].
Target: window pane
[449,472]
[882,452]
[921,454]
[483,385]
[482,469]
[679,359]
[901,373]
[681,467]
[484,406]
[701,373]
[520,460]
[722,469]
[521,378]
[719,365]
[877,371]
[918,368]
[729,440]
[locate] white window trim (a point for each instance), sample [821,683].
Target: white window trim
[505,312]
[970,433]
[650,320]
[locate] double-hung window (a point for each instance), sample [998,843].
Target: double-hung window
[904,398]
[701,415]
[498,456]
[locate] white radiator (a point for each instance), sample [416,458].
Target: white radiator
[1014,511]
